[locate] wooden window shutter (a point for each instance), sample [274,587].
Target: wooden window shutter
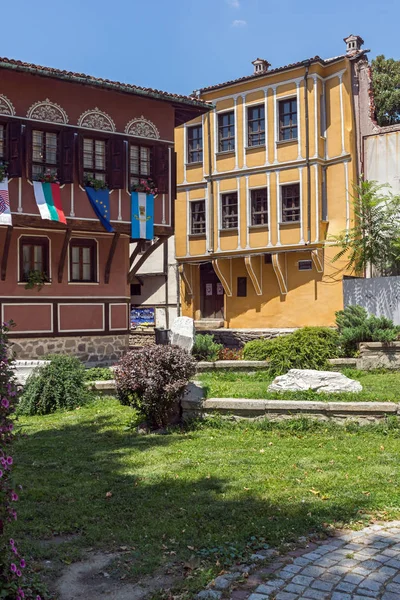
[160,171]
[116,163]
[80,159]
[67,142]
[28,151]
[15,149]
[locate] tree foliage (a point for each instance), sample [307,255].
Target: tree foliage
[386,89]
[374,238]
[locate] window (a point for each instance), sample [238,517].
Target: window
[259,207]
[33,256]
[226,132]
[195,144]
[268,259]
[242,287]
[290,203]
[83,260]
[288,119]
[44,153]
[139,163]
[229,211]
[145,245]
[2,141]
[305,265]
[136,289]
[94,159]
[198,217]
[256,125]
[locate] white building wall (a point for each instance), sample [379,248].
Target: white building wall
[382,159]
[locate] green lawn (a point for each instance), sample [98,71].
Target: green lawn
[210,492]
[377,386]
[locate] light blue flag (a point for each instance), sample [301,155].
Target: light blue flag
[142,216]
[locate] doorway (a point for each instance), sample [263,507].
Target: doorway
[211,293]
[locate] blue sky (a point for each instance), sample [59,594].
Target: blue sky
[181,45]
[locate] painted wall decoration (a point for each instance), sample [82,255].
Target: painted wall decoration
[142,316]
[45,110]
[6,107]
[96,119]
[141,127]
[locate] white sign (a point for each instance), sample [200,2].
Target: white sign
[209,291]
[220,289]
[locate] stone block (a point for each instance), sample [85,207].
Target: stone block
[24,368]
[183,333]
[318,381]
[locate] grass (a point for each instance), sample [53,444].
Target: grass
[378,386]
[206,495]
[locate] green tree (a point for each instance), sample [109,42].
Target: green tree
[386,88]
[373,240]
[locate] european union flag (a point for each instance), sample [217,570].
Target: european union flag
[100,201]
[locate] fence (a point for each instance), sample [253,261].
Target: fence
[380,296]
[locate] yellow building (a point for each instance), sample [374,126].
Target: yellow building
[264,180]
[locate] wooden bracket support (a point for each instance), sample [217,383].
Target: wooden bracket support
[280,274]
[135,268]
[63,255]
[6,251]
[223,269]
[317,256]
[110,257]
[254,266]
[186,272]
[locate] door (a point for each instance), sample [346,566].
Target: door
[211,293]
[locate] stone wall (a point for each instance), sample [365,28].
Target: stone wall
[141,338]
[92,350]
[236,338]
[375,355]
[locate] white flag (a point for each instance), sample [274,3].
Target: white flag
[5,213]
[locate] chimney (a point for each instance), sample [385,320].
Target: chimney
[260,66]
[353,43]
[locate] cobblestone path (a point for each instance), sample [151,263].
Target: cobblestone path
[352,566]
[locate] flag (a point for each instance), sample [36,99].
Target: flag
[5,213]
[48,199]
[142,216]
[100,201]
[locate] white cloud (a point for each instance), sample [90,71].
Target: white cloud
[233,3]
[239,23]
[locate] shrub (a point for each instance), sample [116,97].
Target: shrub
[355,326]
[13,581]
[205,348]
[306,348]
[257,349]
[58,385]
[231,354]
[153,380]
[99,374]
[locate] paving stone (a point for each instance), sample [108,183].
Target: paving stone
[396,579]
[369,584]
[371,565]
[365,594]
[316,594]
[340,596]
[394,563]
[286,596]
[300,560]
[270,586]
[295,589]
[259,597]
[393,587]
[293,568]
[344,586]
[313,571]
[352,578]
[325,586]
[390,596]
[302,580]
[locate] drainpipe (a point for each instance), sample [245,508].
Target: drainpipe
[210,248]
[166,283]
[308,167]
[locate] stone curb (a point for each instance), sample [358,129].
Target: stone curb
[238,365]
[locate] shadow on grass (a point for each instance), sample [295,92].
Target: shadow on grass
[152,494]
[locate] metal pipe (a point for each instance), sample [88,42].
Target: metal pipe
[165,269]
[308,166]
[210,248]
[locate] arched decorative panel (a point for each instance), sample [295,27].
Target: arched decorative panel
[6,107]
[141,127]
[96,119]
[45,110]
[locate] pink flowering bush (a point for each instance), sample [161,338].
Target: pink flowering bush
[12,581]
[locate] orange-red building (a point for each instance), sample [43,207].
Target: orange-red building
[74,126]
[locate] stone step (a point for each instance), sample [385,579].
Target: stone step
[208,324]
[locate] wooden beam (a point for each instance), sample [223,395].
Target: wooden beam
[317,256]
[223,269]
[110,257]
[280,273]
[6,251]
[186,273]
[63,254]
[254,269]
[135,253]
[144,257]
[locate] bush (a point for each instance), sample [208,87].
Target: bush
[205,348]
[306,348]
[257,349]
[355,326]
[153,380]
[58,385]
[99,374]
[231,354]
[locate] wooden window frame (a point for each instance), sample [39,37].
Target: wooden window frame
[285,210]
[263,213]
[33,241]
[138,287]
[198,150]
[260,133]
[43,128]
[202,223]
[292,127]
[95,138]
[139,175]
[235,216]
[241,291]
[230,139]
[83,243]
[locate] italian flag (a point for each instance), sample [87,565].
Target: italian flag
[48,199]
